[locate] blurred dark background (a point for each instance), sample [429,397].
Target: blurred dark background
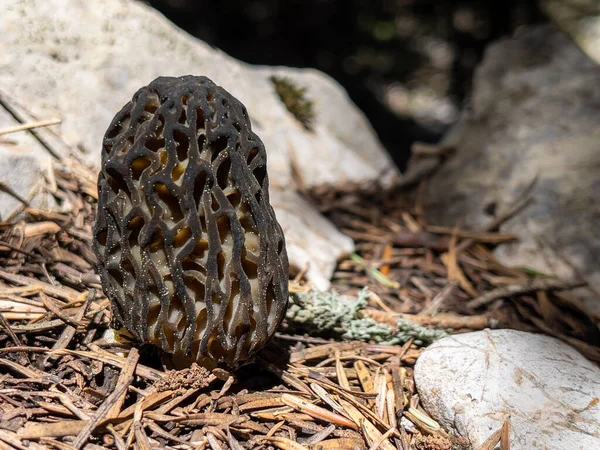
[407,64]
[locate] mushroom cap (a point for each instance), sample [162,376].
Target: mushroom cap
[189,250]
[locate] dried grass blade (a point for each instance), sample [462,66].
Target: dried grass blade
[149,402]
[14,440]
[119,442]
[125,378]
[381,389]
[322,351]
[214,442]
[30,126]
[450,260]
[34,430]
[25,371]
[505,436]
[117,361]
[275,428]
[113,398]
[439,299]
[377,444]
[364,377]
[283,443]
[422,420]
[51,442]
[373,434]
[167,407]
[233,442]
[316,411]
[40,228]
[341,444]
[262,404]
[208,419]
[391,408]
[63,292]
[351,399]
[341,373]
[319,436]
[491,442]
[141,438]
[398,383]
[327,399]
[159,431]
[57,409]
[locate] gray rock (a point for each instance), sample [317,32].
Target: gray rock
[22,178]
[534,113]
[473,382]
[84,60]
[580,19]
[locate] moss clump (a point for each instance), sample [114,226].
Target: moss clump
[294,99]
[331,315]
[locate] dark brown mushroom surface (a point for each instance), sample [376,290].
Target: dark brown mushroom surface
[189,249]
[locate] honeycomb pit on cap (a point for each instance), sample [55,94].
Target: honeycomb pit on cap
[189,250]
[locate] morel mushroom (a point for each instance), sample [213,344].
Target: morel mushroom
[189,250]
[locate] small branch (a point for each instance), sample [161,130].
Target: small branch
[518,289]
[522,202]
[441,320]
[101,413]
[420,171]
[439,299]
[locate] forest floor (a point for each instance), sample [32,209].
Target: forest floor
[65,384]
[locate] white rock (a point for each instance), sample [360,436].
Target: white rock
[86,69]
[319,238]
[473,382]
[84,60]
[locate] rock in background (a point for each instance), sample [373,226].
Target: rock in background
[23,175]
[534,113]
[473,382]
[580,19]
[84,60]
[25,166]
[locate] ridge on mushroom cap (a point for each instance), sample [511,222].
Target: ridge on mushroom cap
[189,249]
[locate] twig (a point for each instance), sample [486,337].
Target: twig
[487,237]
[51,141]
[30,126]
[16,249]
[101,413]
[520,289]
[505,437]
[441,320]
[421,170]
[4,324]
[439,299]
[523,201]
[491,442]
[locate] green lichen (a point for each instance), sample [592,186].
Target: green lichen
[294,99]
[332,315]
